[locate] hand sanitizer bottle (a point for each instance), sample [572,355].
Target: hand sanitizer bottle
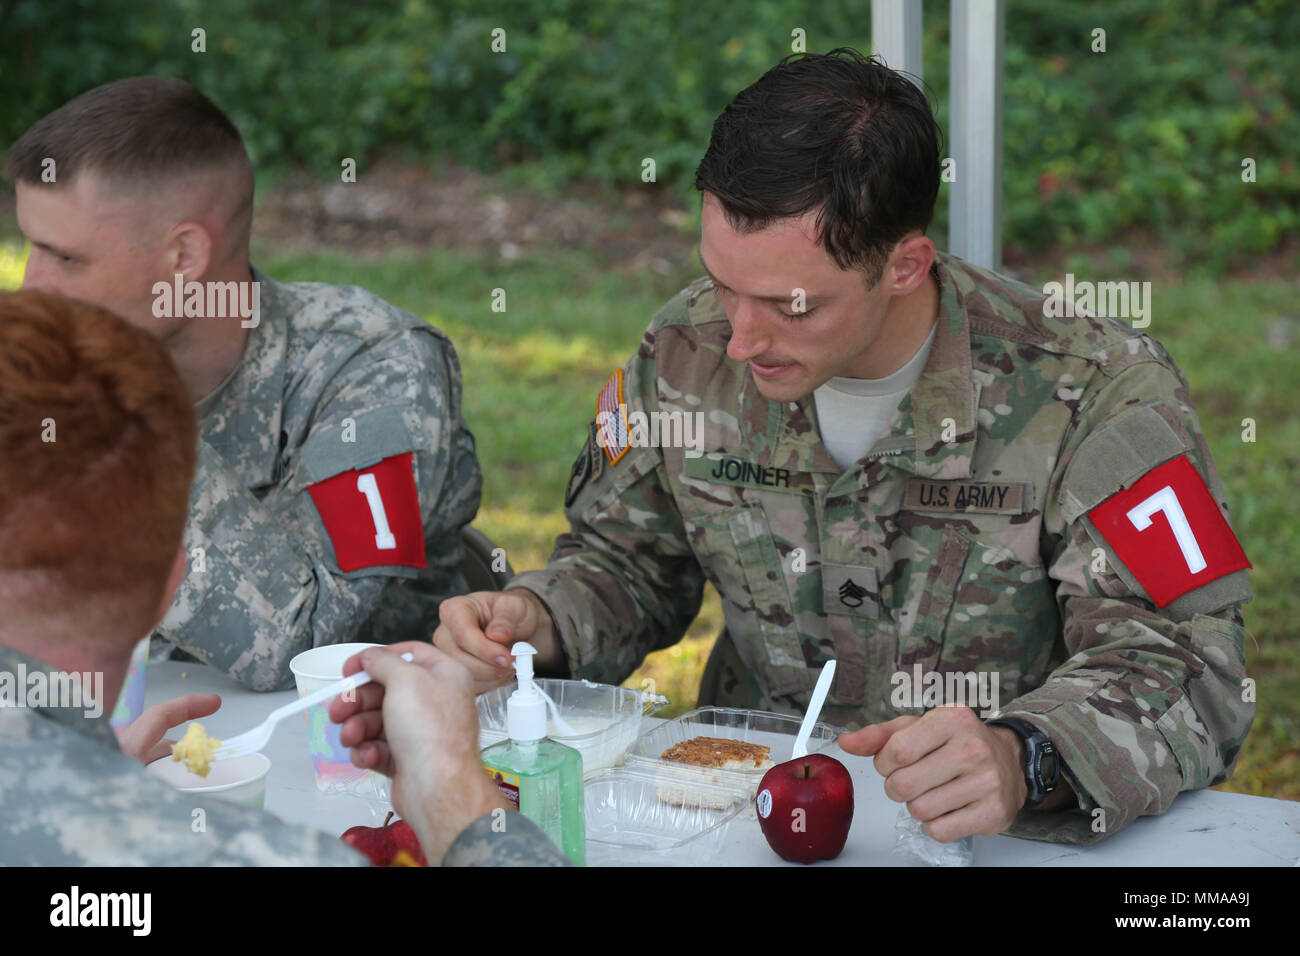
[541,777]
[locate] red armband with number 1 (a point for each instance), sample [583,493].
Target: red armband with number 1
[373,515]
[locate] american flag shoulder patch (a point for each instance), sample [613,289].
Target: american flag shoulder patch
[611,418]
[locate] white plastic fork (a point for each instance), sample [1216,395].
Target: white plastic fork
[814,711]
[254,740]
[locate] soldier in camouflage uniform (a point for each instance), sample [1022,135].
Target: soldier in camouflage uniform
[335,470]
[977,535]
[335,384]
[70,797]
[77,589]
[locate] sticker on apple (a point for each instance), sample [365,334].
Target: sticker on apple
[764,803]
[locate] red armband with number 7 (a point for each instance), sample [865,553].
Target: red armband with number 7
[1168,530]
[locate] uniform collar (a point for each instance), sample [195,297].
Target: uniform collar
[243,421]
[97,729]
[786,434]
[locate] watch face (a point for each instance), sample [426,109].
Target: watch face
[1048,767]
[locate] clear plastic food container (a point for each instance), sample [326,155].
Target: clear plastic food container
[777,731]
[637,817]
[607,718]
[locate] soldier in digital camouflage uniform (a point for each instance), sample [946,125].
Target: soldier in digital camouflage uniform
[335,470]
[335,384]
[979,534]
[89,527]
[70,797]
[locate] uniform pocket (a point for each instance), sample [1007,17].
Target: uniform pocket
[985,608]
[775,650]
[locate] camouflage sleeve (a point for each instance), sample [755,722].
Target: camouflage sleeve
[264,580]
[623,581]
[70,797]
[507,839]
[1149,701]
[281,844]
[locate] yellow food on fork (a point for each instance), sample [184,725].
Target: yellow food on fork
[196,748]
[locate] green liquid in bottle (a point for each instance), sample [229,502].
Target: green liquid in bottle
[550,789]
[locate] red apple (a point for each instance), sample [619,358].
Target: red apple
[805,808]
[381,845]
[405,841]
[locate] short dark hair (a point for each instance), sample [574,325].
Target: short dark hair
[142,129]
[839,133]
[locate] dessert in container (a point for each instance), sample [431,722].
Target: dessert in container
[656,812]
[628,824]
[777,731]
[607,718]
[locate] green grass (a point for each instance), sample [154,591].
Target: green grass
[532,373]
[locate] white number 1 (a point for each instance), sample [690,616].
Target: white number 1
[1165,500]
[384,539]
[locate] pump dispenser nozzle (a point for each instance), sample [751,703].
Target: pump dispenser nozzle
[526,708]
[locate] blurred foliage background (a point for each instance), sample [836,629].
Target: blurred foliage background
[1150,134]
[1125,164]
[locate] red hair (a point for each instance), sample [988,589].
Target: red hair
[97,449]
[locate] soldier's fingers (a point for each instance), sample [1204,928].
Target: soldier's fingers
[463,620]
[511,619]
[356,701]
[923,777]
[171,713]
[419,651]
[388,669]
[373,755]
[922,736]
[159,750]
[868,740]
[485,675]
[941,793]
[966,821]
[360,728]
[194,706]
[478,646]
[142,738]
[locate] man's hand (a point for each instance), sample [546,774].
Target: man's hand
[416,723]
[956,775]
[143,737]
[477,631]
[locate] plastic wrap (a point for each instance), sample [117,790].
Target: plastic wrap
[630,823]
[917,845]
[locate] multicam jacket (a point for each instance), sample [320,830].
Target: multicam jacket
[965,542]
[285,542]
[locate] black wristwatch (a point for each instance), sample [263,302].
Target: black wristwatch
[1042,765]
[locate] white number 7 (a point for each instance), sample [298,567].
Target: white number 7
[1165,500]
[384,539]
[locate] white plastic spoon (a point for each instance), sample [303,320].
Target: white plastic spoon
[814,710]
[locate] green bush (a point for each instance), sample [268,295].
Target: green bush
[1150,134]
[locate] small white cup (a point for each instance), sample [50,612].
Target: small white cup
[241,781]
